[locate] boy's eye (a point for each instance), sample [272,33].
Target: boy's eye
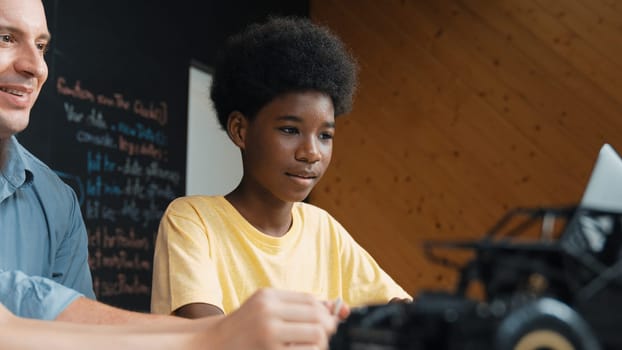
[326,136]
[289,130]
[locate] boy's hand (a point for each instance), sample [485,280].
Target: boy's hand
[338,309]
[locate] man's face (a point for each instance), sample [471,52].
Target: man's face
[24,37]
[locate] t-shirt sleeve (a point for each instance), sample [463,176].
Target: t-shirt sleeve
[364,281]
[183,271]
[34,296]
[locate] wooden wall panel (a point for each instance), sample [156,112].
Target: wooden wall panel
[466,109]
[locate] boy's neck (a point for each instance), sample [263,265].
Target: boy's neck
[272,219]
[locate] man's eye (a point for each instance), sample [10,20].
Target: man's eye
[43,47]
[6,38]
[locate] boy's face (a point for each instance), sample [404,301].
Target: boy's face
[23,40]
[289,144]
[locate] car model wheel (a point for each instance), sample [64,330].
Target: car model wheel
[545,324]
[544,339]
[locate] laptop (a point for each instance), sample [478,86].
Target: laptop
[604,188]
[595,227]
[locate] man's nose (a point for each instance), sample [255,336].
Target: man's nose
[30,62]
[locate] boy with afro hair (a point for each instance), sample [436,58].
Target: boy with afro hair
[277,90]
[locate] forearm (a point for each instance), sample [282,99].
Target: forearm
[33,334]
[270,320]
[86,311]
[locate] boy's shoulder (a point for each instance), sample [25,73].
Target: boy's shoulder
[310,211]
[309,208]
[196,201]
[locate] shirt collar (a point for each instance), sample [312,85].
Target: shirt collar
[16,172]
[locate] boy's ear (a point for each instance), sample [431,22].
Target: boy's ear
[236,128]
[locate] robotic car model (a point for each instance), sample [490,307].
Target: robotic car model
[558,293]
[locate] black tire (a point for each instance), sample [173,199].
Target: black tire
[545,324]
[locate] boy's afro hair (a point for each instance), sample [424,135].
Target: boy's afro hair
[282,55]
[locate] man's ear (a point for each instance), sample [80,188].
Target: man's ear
[236,128]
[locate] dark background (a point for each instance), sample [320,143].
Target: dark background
[132,52]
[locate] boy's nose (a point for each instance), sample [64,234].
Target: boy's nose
[309,151]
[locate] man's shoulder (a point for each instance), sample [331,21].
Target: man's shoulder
[33,163]
[42,173]
[44,179]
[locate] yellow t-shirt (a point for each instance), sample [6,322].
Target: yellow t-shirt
[206,252]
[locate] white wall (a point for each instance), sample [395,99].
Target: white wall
[214,165]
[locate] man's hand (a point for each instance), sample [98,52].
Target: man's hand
[273,319]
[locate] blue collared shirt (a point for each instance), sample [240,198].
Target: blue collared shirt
[34,296]
[42,234]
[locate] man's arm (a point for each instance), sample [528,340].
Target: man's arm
[41,298]
[71,266]
[34,296]
[28,334]
[270,319]
[87,311]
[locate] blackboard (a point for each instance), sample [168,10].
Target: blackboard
[111,121]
